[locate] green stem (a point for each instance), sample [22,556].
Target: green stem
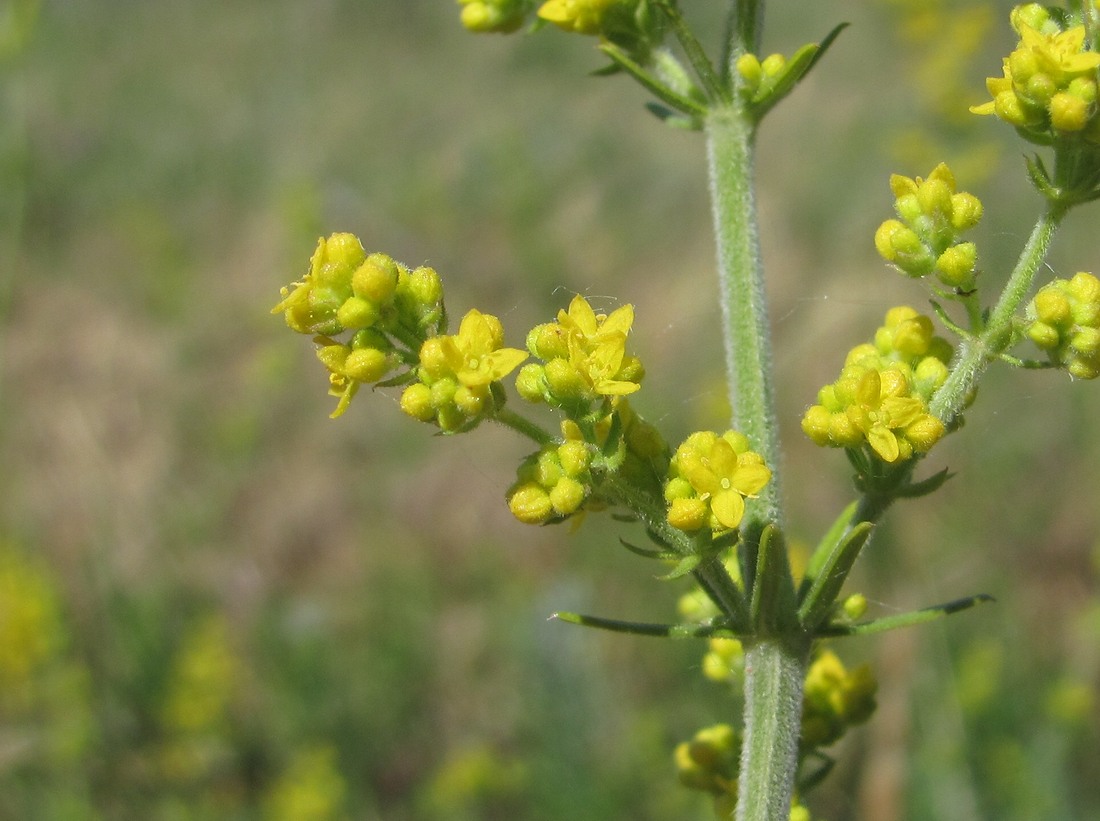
[746,336]
[524,426]
[774,673]
[975,353]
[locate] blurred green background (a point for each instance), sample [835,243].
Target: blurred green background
[215,602]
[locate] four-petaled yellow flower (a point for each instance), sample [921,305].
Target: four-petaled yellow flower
[711,476]
[474,354]
[597,347]
[881,409]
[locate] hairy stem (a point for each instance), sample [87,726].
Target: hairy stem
[774,672]
[975,353]
[746,335]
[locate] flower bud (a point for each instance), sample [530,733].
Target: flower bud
[376,279]
[366,365]
[955,266]
[416,401]
[357,313]
[530,503]
[567,496]
[688,514]
[530,383]
[1068,113]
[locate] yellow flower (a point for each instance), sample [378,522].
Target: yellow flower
[578,16]
[717,472]
[474,354]
[879,412]
[597,347]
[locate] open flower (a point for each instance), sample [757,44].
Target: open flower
[711,476]
[457,374]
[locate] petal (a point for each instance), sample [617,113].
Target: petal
[728,508]
[582,316]
[751,478]
[883,442]
[619,321]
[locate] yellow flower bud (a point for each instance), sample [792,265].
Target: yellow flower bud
[1052,306]
[1086,342]
[573,457]
[471,400]
[855,606]
[357,313]
[416,401]
[366,365]
[564,381]
[1068,113]
[1086,288]
[688,514]
[924,433]
[530,384]
[530,503]
[1084,368]
[773,65]
[934,196]
[376,279]
[748,66]
[816,424]
[1044,335]
[955,267]
[966,211]
[567,496]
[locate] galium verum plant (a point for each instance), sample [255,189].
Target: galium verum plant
[709,505]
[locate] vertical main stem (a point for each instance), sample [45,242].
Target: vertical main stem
[774,675]
[741,291]
[775,666]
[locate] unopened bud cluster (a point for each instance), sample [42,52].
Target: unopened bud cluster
[1049,87]
[925,239]
[552,483]
[709,478]
[881,398]
[1064,320]
[367,312]
[835,699]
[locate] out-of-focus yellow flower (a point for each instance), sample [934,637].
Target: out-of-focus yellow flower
[310,789]
[578,16]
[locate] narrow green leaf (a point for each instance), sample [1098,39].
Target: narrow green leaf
[671,631]
[933,483]
[682,568]
[796,69]
[696,54]
[825,546]
[649,553]
[921,616]
[826,586]
[773,600]
[654,85]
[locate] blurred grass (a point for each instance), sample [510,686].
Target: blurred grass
[242,609]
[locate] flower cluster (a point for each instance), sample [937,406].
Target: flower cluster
[370,315]
[925,240]
[584,365]
[835,699]
[552,484]
[383,309]
[709,478]
[458,376]
[1049,88]
[1064,320]
[881,398]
